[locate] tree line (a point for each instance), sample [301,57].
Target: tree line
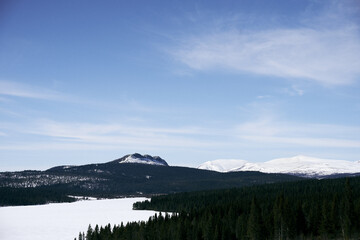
[313,209]
[32,196]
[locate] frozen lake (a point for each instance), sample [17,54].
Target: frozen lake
[64,221]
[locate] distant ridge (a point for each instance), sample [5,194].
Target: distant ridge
[298,165]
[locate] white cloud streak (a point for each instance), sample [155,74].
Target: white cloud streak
[85,136]
[294,91]
[302,135]
[112,136]
[307,142]
[9,88]
[326,55]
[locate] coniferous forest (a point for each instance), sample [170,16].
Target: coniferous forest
[31,196]
[311,209]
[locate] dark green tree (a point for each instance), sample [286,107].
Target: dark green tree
[279,221]
[89,233]
[347,211]
[255,228]
[300,221]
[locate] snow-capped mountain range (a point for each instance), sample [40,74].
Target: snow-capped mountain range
[299,165]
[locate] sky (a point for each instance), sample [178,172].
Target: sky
[189,81]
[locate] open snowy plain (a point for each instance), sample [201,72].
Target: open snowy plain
[64,221]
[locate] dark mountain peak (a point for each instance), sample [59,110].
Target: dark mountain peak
[142,159]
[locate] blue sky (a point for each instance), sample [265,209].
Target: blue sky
[190,81]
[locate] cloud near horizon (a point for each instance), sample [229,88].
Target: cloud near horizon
[269,131]
[112,136]
[88,136]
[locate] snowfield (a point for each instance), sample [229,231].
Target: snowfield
[64,221]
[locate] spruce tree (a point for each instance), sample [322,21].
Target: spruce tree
[279,224]
[300,221]
[241,227]
[255,228]
[89,233]
[347,212]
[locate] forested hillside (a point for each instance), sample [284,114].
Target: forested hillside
[314,209]
[111,180]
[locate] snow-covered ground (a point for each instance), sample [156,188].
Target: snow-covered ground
[64,221]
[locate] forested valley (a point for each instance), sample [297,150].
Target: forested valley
[311,209]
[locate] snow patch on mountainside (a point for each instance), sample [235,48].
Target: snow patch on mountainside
[143,159]
[298,165]
[222,165]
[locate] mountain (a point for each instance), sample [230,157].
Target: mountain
[299,165]
[130,158]
[223,165]
[144,159]
[131,175]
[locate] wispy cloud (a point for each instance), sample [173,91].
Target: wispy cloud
[268,131]
[263,96]
[307,142]
[22,90]
[327,55]
[15,89]
[294,91]
[80,136]
[287,134]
